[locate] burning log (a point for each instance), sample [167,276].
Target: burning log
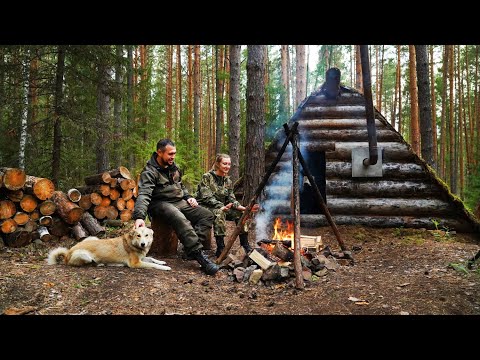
[282,252]
[287,243]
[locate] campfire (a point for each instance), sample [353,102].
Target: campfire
[272,260]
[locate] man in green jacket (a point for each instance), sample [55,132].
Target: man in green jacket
[162,193]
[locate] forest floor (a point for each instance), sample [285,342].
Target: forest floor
[396,272]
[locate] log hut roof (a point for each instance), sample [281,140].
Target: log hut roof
[409,194]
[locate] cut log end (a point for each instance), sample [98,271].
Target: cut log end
[44,189]
[14,179]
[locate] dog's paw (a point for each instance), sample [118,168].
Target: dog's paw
[153,260]
[163,267]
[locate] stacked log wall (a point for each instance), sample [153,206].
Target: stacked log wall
[409,194]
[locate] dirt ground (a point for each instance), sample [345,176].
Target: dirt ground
[396,272]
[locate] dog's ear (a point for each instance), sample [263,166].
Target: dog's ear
[150,231]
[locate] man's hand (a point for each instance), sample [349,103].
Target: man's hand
[139,223]
[192,202]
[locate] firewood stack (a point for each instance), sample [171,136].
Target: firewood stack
[109,195]
[30,208]
[26,207]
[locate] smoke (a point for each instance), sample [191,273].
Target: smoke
[278,187]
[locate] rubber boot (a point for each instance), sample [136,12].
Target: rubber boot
[220,245]
[209,267]
[244,242]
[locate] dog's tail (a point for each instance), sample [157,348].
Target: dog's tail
[55,254]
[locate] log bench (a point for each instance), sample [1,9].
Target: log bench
[165,240]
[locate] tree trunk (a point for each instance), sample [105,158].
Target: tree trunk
[117,108]
[424,105]
[165,241]
[300,75]
[57,114]
[234,112]
[358,70]
[414,129]
[254,149]
[102,119]
[196,98]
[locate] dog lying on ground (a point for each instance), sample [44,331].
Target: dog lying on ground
[129,249]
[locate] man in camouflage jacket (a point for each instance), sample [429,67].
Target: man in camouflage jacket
[162,193]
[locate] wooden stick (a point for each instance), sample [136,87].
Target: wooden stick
[319,198]
[260,187]
[297,263]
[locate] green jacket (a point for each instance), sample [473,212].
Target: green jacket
[215,191]
[158,184]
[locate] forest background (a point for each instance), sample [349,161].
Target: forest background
[69,111]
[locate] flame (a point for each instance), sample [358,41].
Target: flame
[282,233]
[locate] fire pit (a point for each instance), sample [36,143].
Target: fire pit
[272,259]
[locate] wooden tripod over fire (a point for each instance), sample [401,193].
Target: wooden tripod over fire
[292,136]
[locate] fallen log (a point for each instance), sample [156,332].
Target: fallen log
[13,178]
[79,233]
[91,225]
[68,211]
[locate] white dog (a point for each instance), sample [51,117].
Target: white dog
[129,249]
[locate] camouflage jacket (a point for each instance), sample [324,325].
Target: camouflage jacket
[214,191]
[158,184]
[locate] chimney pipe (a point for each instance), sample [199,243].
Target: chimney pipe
[367,92]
